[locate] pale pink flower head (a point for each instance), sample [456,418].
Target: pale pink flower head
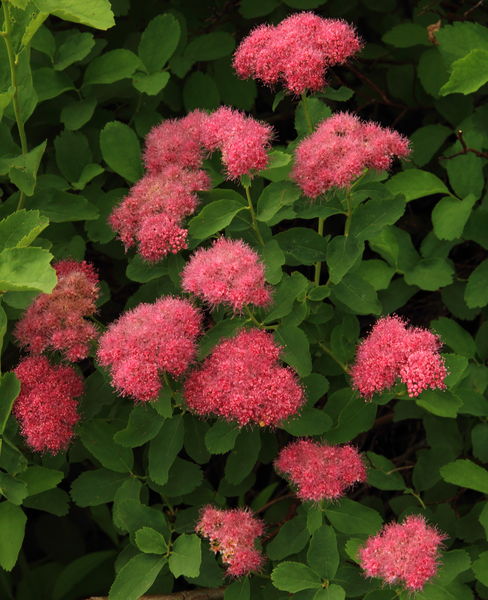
[242,140]
[176,141]
[297,52]
[230,272]
[339,151]
[152,215]
[56,321]
[147,341]
[233,534]
[46,408]
[391,351]
[242,380]
[403,554]
[320,471]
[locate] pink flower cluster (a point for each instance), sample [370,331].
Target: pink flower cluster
[391,351]
[56,321]
[242,380]
[340,149]
[229,272]
[320,471]
[152,215]
[405,553]
[46,407]
[147,340]
[298,51]
[233,533]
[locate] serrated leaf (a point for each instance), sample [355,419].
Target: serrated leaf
[430,274]
[294,577]
[21,228]
[468,73]
[159,41]
[23,169]
[415,183]
[112,66]
[26,269]
[97,437]
[150,541]
[465,473]
[186,556]
[94,13]
[476,293]
[450,215]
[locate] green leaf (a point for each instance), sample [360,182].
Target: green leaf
[275,196]
[479,440]
[221,437]
[49,83]
[54,501]
[130,515]
[289,289]
[454,336]
[200,91]
[354,415]
[12,525]
[223,329]
[15,491]
[480,568]
[331,592]
[322,555]
[40,479]
[383,475]
[111,67]
[9,390]
[26,269]
[370,218]
[3,331]
[357,294]
[213,217]
[341,94]
[240,588]
[76,47]
[23,169]
[296,349]
[352,517]
[450,215]
[75,572]
[136,577]
[121,150]
[183,478]
[476,293]
[292,537]
[164,448]
[210,46]
[406,35]
[243,456]
[302,246]
[60,207]
[250,9]
[430,274]
[309,114]
[151,84]
[94,13]
[342,254]
[310,421]
[415,183]
[76,114]
[159,41]
[273,258]
[467,474]
[442,403]
[186,556]
[395,246]
[72,154]
[143,425]
[96,487]
[426,141]
[97,437]
[468,74]
[21,228]
[293,577]
[150,541]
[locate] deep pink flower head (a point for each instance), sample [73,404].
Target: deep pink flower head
[340,149]
[152,214]
[298,51]
[242,140]
[176,142]
[46,407]
[147,340]
[233,533]
[56,321]
[320,471]
[391,351]
[230,272]
[405,553]
[242,380]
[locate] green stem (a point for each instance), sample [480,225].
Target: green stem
[318,264]
[253,216]
[347,226]
[334,358]
[12,61]
[307,113]
[251,316]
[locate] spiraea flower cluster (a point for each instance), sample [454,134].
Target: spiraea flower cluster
[233,533]
[46,407]
[340,149]
[152,216]
[56,321]
[319,471]
[242,380]
[404,554]
[393,350]
[297,52]
[229,273]
[147,341]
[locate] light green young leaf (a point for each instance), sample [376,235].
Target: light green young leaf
[23,169]
[468,74]
[465,473]
[20,228]
[415,183]
[94,13]
[450,215]
[26,269]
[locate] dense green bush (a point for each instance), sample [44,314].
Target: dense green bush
[82,82]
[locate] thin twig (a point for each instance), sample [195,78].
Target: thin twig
[198,594]
[465,148]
